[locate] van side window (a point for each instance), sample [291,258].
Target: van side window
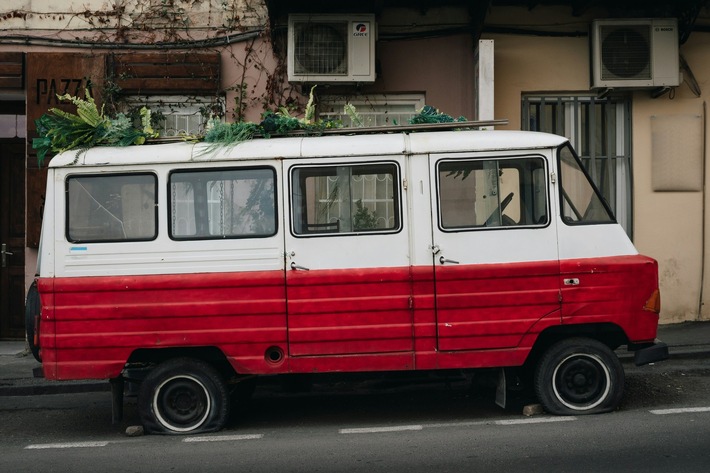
[117,207]
[492,193]
[222,203]
[581,201]
[345,199]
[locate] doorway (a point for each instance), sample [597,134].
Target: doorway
[12,223]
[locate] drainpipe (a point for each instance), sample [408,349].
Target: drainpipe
[704,206]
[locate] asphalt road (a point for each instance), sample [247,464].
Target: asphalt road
[443,426]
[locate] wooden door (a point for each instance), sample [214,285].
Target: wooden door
[12,238]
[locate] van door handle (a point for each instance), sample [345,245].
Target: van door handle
[302,268]
[443,260]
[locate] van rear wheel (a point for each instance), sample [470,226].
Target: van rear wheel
[579,376]
[183,396]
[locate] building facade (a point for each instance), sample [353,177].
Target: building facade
[530,63]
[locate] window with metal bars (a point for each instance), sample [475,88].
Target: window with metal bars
[175,115]
[600,131]
[373,110]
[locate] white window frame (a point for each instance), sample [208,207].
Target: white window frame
[184,114]
[374,110]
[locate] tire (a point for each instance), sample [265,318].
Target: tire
[183,396]
[32,309]
[579,376]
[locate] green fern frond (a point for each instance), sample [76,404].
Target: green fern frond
[310,107]
[351,112]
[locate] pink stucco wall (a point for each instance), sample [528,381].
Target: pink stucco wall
[441,67]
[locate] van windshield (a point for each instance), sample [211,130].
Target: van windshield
[581,202]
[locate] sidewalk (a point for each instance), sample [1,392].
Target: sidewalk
[17,379]
[685,340]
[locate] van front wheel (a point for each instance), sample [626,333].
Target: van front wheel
[579,376]
[183,396]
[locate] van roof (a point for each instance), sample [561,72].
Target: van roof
[311,147]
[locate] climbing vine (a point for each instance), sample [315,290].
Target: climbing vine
[260,83]
[180,25]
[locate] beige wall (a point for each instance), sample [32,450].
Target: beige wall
[667,225]
[536,64]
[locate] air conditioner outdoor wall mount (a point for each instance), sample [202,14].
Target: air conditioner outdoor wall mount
[327,48]
[635,53]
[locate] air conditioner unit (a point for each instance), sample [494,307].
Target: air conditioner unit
[331,48]
[635,53]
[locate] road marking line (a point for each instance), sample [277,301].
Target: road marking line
[456,424]
[66,445]
[376,430]
[224,438]
[540,420]
[682,410]
[403,428]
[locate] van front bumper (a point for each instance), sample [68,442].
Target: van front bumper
[651,353]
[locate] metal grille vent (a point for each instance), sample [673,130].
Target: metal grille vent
[321,48]
[626,52]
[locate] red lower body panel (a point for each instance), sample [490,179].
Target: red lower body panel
[347,320]
[611,290]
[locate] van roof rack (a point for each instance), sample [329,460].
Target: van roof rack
[468,124]
[406,128]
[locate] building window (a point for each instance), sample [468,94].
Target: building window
[13,122]
[175,115]
[599,130]
[374,110]
[13,126]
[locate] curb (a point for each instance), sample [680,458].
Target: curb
[690,352]
[675,353]
[52,388]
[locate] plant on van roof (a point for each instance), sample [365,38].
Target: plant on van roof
[61,131]
[429,114]
[273,123]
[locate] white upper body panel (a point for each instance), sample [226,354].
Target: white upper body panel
[413,244]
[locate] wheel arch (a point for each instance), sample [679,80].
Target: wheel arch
[146,357]
[609,334]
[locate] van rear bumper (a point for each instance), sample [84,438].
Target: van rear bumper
[651,353]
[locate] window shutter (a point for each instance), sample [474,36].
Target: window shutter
[166,73]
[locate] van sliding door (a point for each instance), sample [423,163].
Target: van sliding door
[347,265]
[495,252]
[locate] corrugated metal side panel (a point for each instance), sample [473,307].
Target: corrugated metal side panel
[99,321]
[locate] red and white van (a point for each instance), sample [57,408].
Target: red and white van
[379,252]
